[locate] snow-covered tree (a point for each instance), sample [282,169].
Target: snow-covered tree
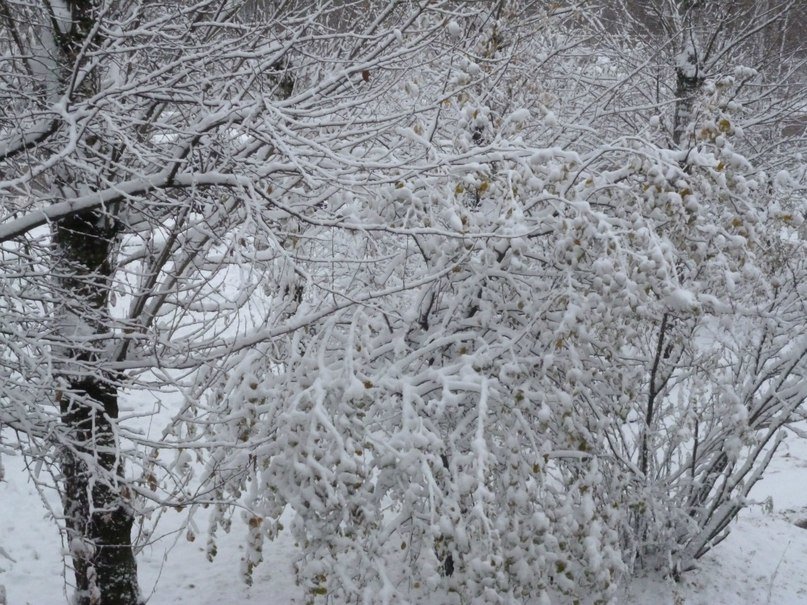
[154,158]
[496,299]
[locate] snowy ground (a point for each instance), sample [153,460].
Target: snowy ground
[764,560]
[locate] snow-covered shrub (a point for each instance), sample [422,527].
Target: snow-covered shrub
[527,350]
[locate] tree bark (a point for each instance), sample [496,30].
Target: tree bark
[688,77]
[97,514]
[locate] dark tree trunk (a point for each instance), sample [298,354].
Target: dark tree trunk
[688,76]
[98,516]
[687,87]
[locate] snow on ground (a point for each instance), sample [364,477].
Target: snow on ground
[172,570]
[762,562]
[184,574]
[764,559]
